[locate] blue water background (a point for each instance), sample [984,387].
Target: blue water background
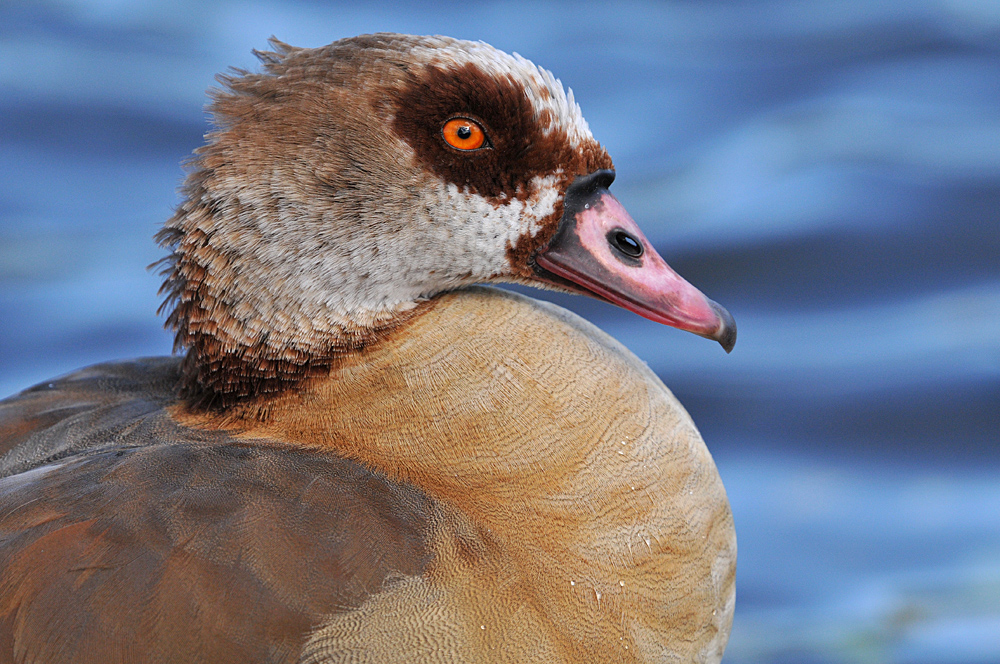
[827,170]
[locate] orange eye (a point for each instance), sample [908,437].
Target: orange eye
[464,134]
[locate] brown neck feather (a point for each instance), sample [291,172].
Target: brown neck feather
[230,363]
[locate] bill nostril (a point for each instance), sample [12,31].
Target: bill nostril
[625,243]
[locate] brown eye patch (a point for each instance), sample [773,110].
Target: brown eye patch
[521,149]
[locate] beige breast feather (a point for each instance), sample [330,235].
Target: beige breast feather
[580,515]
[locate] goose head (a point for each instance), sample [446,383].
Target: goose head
[345,186]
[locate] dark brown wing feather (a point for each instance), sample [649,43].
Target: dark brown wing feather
[125,537]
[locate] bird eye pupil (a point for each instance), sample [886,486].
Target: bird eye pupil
[627,244]
[464,132]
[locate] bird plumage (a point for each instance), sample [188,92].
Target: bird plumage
[362,457]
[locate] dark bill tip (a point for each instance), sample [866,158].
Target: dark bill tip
[726,334]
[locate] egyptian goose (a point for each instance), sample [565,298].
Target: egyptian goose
[362,457]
